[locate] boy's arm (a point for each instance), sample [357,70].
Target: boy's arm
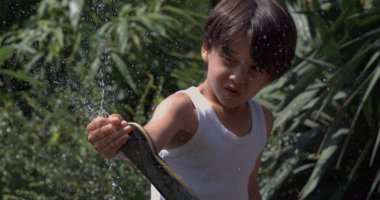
[176,113]
[253,186]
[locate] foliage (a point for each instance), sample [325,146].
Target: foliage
[327,127]
[71,58]
[57,68]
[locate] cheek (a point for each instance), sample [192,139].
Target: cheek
[256,83]
[217,72]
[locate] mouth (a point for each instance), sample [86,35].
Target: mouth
[231,91]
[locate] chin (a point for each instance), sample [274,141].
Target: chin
[230,102]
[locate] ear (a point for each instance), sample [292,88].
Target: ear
[204,53]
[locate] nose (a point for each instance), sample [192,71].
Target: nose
[239,74]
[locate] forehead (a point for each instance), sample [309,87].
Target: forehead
[238,47]
[240,44]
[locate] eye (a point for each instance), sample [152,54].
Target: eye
[229,61]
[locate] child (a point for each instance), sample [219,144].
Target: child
[213,135]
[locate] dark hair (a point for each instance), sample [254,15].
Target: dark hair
[269,28]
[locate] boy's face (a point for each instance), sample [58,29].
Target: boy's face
[234,79]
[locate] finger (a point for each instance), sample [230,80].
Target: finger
[115,115]
[115,119]
[123,157]
[128,129]
[124,123]
[116,144]
[107,130]
[94,136]
[113,148]
[99,134]
[108,140]
[96,123]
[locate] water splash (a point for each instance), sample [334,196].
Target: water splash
[102,112]
[111,164]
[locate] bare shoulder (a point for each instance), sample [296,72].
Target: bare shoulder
[178,105]
[174,115]
[269,119]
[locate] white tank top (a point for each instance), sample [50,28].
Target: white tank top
[216,163]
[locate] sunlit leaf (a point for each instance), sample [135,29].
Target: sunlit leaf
[75,11]
[54,138]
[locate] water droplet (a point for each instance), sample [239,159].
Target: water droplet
[296,151]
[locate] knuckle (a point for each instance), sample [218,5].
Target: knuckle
[88,127]
[115,115]
[90,138]
[112,128]
[105,129]
[97,147]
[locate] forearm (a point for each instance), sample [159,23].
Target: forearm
[254,190]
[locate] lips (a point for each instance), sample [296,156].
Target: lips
[232,91]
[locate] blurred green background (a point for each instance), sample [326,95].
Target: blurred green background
[57,58]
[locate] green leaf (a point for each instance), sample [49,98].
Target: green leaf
[20,75]
[374,185]
[341,77]
[374,78]
[59,34]
[5,53]
[54,138]
[377,144]
[125,10]
[95,66]
[361,159]
[28,66]
[325,160]
[189,15]
[25,47]
[361,38]
[122,30]
[105,29]
[330,49]
[295,106]
[122,67]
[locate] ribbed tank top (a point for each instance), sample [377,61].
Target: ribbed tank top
[216,163]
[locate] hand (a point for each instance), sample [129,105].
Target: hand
[107,135]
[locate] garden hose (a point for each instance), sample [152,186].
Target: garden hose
[141,152]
